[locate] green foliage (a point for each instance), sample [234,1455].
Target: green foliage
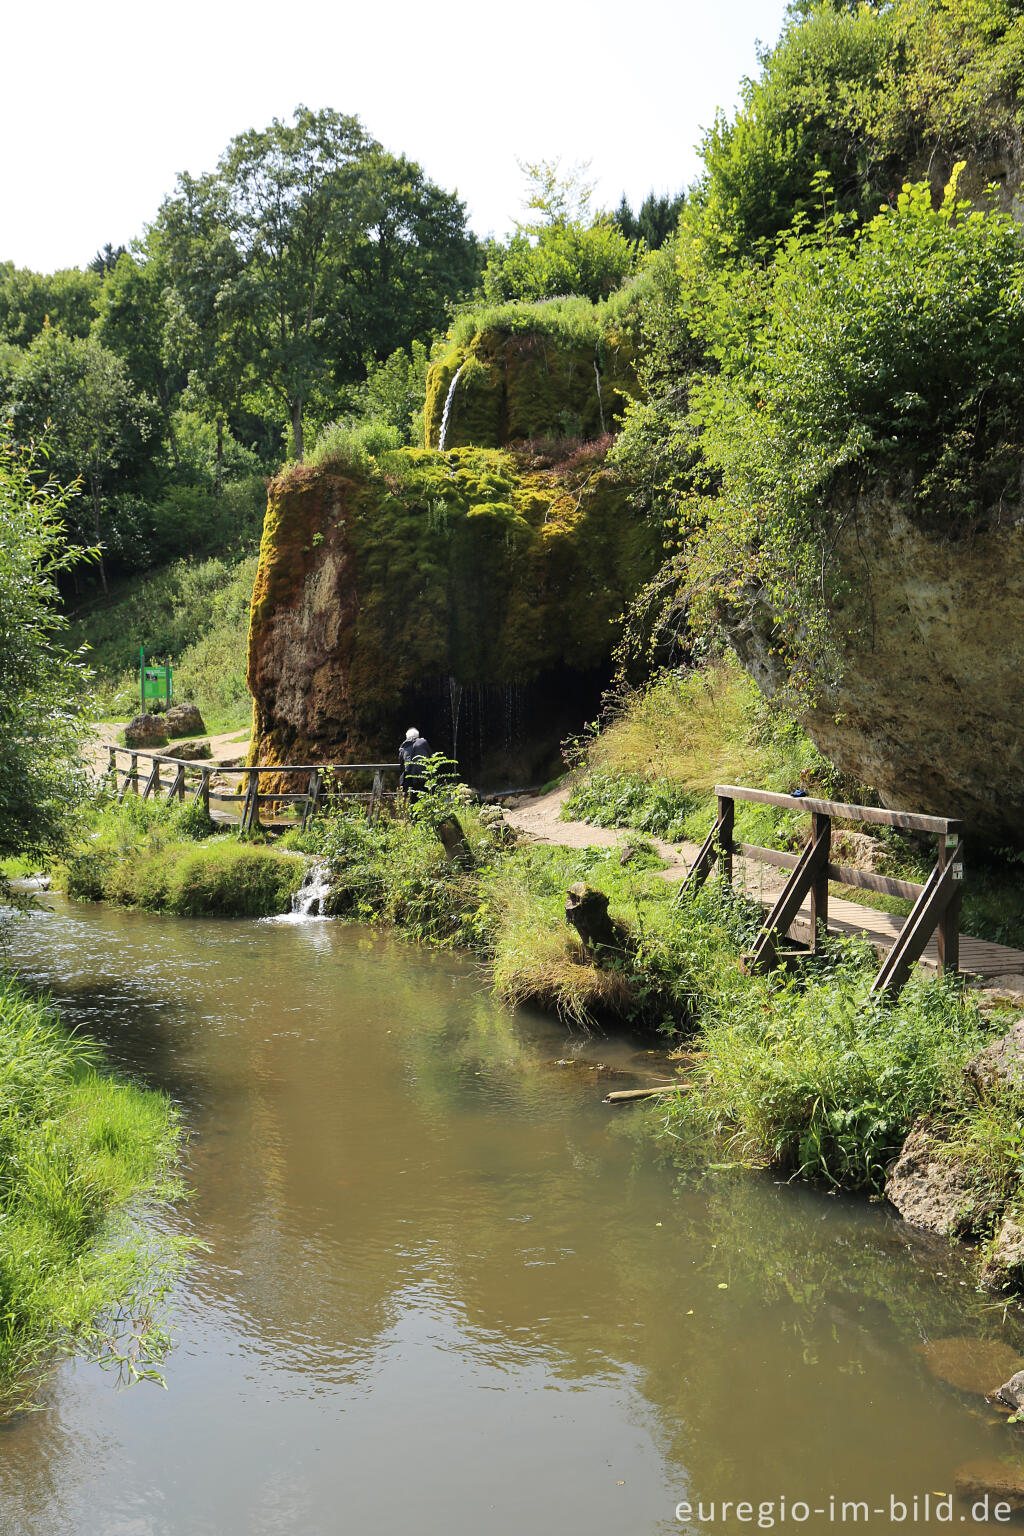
[663,748]
[655,220]
[811,1076]
[77,1149]
[164,859]
[894,355]
[43,688]
[196,612]
[564,259]
[32,301]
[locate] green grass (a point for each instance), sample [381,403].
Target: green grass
[78,1151]
[165,858]
[195,612]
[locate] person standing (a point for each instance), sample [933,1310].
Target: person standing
[412,754]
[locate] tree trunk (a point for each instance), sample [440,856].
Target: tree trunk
[172,441]
[296,413]
[219,473]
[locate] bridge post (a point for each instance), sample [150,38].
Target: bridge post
[726,823]
[821,830]
[947,934]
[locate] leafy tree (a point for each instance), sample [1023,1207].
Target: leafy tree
[565,249]
[66,301]
[894,357]
[43,689]
[77,395]
[132,322]
[308,243]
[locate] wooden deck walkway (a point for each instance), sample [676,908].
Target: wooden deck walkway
[977,956]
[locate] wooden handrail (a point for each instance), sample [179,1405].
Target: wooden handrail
[910,821]
[212,767]
[936,904]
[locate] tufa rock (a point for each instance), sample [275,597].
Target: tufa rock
[933,1191]
[507,584]
[145,731]
[1003,1269]
[184,720]
[1001,1064]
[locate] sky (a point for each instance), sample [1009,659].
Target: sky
[102,106]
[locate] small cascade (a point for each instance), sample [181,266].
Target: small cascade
[600,401]
[310,898]
[447,409]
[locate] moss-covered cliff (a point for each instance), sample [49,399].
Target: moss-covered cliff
[404,585]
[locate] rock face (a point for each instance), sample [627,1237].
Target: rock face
[146,731]
[934,1192]
[930,701]
[455,593]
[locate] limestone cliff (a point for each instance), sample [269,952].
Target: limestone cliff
[437,591]
[929,706]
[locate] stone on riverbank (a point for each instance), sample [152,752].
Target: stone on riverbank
[931,1190]
[1011,1393]
[1003,1481]
[192,751]
[1003,1269]
[1001,1064]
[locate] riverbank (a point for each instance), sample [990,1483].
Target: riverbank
[82,1153]
[801,1073]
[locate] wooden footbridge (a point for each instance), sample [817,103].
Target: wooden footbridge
[233,796]
[804,912]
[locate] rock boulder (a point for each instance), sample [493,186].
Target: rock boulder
[146,732]
[184,720]
[933,1191]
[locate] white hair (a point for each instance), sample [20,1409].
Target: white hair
[412,733]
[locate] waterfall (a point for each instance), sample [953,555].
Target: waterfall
[309,899]
[455,703]
[600,402]
[447,408]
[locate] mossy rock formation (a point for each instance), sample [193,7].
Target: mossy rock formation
[517,385]
[446,590]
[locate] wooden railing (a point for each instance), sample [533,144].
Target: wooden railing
[936,903]
[323,781]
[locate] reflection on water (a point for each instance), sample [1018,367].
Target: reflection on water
[447,1291]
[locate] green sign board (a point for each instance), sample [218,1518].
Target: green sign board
[156,682]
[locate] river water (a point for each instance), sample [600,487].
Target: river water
[448,1292]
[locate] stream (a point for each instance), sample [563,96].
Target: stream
[448,1292]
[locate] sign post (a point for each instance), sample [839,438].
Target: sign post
[155,681]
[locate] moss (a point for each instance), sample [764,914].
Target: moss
[521,384]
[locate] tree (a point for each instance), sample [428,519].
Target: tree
[655,222]
[75,394]
[308,247]
[132,322]
[43,689]
[66,301]
[565,249]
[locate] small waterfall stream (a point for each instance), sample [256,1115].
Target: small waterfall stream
[310,898]
[443,433]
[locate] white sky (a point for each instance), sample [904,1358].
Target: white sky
[102,105]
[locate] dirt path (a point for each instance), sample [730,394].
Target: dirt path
[539,817]
[229,746]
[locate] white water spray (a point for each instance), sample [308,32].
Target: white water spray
[311,895]
[447,409]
